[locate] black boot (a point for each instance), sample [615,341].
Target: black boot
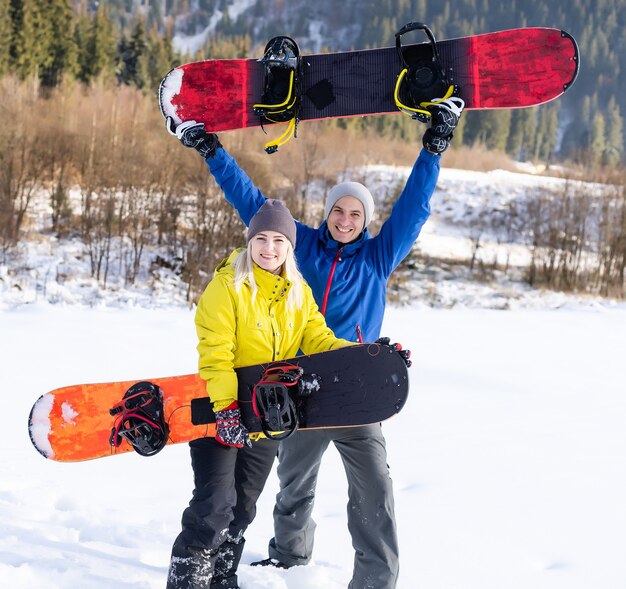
[270,562]
[193,569]
[226,563]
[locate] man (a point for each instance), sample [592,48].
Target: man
[347,270]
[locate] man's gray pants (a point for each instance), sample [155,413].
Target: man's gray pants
[371,520]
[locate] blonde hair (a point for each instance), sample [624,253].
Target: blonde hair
[244,272]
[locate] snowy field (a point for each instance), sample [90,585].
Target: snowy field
[508,460]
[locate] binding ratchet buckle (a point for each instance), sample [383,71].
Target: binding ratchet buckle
[274,399]
[280,102]
[422,81]
[139,419]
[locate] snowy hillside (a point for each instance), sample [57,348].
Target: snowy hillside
[46,269]
[329,24]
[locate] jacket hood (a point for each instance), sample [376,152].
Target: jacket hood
[226,266]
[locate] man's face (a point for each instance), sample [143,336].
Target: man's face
[346,219]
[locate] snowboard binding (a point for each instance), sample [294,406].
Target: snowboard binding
[139,419]
[422,81]
[275,397]
[280,102]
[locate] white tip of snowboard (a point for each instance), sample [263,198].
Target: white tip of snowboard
[40,426]
[170,87]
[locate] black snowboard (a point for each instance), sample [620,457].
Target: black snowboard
[352,386]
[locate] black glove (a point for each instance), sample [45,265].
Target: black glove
[192,134]
[444,117]
[404,354]
[230,430]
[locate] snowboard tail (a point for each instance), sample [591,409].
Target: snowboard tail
[516,68]
[357,385]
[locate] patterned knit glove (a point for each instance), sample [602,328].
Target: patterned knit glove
[230,430]
[404,354]
[192,134]
[444,117]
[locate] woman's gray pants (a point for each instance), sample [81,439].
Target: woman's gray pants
[371,520]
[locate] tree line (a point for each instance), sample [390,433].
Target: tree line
[54,43]
[79,113]
[130,43]
[113,179]
[137,201]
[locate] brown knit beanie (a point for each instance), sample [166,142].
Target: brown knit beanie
[273,216]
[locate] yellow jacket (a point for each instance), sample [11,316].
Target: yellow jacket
[234,330]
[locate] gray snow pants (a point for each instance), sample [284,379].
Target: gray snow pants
[371,520]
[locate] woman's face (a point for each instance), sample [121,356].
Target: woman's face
[269,250]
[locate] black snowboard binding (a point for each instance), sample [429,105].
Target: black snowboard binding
[282,90]
[139,419]
[275,399]
[422,81]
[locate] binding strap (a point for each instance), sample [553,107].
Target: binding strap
[419,112]
[280,102]
[139,419]
[272,402]
[272,146]
[422,81]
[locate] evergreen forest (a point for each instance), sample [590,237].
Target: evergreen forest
[130,42]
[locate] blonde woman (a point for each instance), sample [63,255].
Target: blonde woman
[257,308]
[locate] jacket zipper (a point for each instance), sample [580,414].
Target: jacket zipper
[327,292]
[329,282]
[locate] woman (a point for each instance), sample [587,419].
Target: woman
[256,309]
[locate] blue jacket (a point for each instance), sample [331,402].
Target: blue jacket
[359,284]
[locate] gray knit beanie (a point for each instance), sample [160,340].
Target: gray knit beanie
[273,216]
[351,189]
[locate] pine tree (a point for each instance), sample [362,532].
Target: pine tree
[43,39]
[500,127]
[598,143]
[5,36]
[61,49]
[133,58]
[98,43]
[161,58]
[30,37]
[547,132]
[489,128]
[16,16]
[614,150]
[529,118]
[515,140]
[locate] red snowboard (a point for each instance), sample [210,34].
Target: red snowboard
[508,69]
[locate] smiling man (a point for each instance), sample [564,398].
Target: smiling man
[349,209]
[347,269]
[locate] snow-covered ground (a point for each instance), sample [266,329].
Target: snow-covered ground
[508,460]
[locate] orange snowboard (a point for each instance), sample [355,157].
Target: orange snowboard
[67,424]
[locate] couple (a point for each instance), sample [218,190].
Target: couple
[338,283]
